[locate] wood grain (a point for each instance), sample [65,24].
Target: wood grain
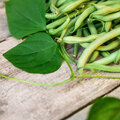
[20,101]
[82,114]
[28,102]
[4,32]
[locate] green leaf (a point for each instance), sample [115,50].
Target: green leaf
[37,54]
[25,17]
[105,109]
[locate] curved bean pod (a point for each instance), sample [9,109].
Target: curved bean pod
[83,16]
[74,39]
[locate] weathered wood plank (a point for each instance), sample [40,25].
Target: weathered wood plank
[4,32]
[21,101]
[82,115]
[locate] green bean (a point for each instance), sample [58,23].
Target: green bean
[93,31]
[108,25]
[60,2]
[48,5]
[109,2]
[53,7]
[64,32]
[83,16]
[107,60]
[66,55]
[110,46]
[94,45]
[94,56]
[76,46]
[65,5]
[109,17]
[107,10]
[117,26]
[103,68]
[86,34]
[84,45]
[117,21]
[59,21]
[117,59]
[67,30]
[72,6]
[98,6]
[105,53]
[92,28]
[54,31]
[51,16]
[73,39]
[75,50]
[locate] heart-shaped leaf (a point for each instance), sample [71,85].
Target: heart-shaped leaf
[105,109]
[37,54]
[25,17]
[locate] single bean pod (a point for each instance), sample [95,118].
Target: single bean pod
[74,39]
[83,16]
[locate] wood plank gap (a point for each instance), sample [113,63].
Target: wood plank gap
[91,102]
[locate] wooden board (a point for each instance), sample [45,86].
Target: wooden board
[20,101]
[4,32]
[82,114]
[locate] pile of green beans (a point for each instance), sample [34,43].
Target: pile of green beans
[92,25]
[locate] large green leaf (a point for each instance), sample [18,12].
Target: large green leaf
[105,109]
[25,17]
[37,54]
